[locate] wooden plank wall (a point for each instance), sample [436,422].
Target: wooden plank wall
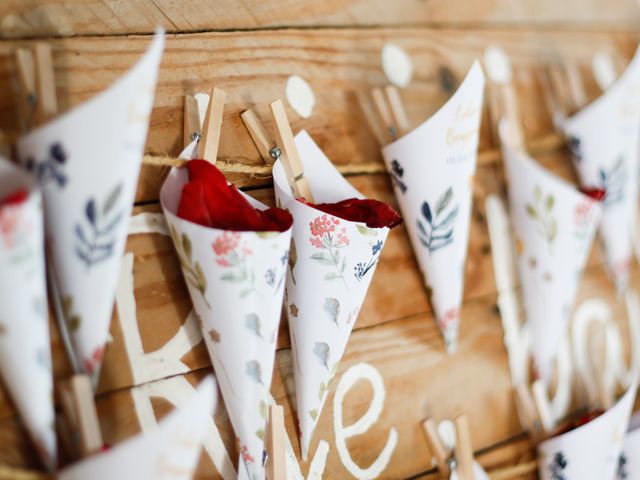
[249,49]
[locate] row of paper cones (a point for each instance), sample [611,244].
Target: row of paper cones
[87,163]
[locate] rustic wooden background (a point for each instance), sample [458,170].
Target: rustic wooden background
[249,49]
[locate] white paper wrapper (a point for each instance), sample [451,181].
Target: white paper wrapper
[432,171]
[236,281]
[590,451]
[171,451]
[604,139]
[553,225]
[87,162]
[478,473]
[25,352]
[629,461]
[332,262]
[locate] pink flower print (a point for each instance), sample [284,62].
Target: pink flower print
[9,223]
[246,456]
[449,317]
[226,242]
[323,236]
[91,363]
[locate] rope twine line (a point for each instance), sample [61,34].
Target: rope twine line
[544,144]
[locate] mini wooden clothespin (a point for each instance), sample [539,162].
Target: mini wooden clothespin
[36,77]
[460,456]
[210,141]
[38,85]
[269,151]
[76,396]
[290,156]
[464,449]
[577,91]
[605,69]
[503,97]
[440,454]
[543,407]
[384,112]
[527,412]
[397,110]
[276,465]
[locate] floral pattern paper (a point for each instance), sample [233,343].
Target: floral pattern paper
[629,460]
[87,162]
[25,352]
[554,225]
[236,282]
[432,171]
[331,266]
[169,451]
[604,139]
[591,450]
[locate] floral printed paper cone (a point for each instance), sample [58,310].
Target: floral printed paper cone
[25,353]
[170,451]
[236,281]
[331,264]
[87,162]
[591,450]
[604,140]
[432,171]
[629,460]
[553,225]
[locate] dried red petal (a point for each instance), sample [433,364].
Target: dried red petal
[597,194]
[14,198]
[578,422]
[207,199]
[373,213]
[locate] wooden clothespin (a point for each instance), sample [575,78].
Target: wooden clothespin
[371,118]
[504,98]
[543,407]
[439,452]
[275,440]
[527,411]
[192,125]
[577,91]
[397,110]
[267,148]
[37,82]
[290,158]
[605,69]
[76,396]
[464,449]
[384,112]
[208,144]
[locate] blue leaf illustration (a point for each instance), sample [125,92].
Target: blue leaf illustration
[332,307]
[426,211]
[90,211]
[322,351]
[254,370]
[252,322]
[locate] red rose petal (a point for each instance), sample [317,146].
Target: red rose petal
[597,194]
[373,213]
[14,198]
[208,200]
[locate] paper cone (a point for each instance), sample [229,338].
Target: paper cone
[87,162]
[432,171]
[331,264]
[629,461]
[590,451]
[553,225]
[171,450]
[236,281]
[25,352]
[478,473]
[604,139]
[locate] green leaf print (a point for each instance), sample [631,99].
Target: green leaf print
[541,213]
[322,351]
[193,273]
[313,414]
[254,371]
[73,320]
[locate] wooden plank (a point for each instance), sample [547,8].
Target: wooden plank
[252,68]
[420,380]
[94,17]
